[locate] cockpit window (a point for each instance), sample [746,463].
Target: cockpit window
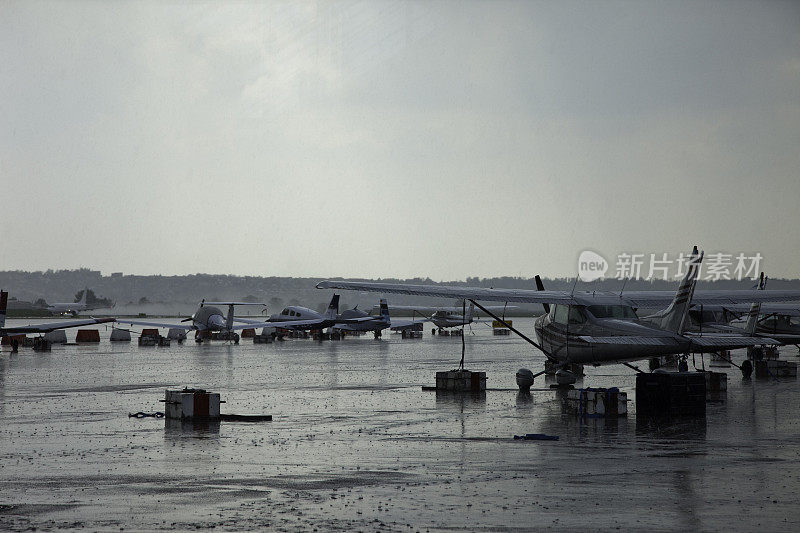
[562,313]
[285,311]
[576,316]
[624,312]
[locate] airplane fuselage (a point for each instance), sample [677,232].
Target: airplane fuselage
[449,319]
[296,312]
[562,332]
[378,323]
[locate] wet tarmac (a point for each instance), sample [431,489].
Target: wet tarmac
[355,444]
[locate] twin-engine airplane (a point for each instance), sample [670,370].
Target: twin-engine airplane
[71,307]
[602,327]
[47,327]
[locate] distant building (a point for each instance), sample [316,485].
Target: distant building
[116,274]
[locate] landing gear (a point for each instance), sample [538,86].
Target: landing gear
[377,333]
[683,364]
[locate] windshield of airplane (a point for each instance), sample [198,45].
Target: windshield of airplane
[613,311]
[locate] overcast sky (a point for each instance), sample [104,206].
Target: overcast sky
[378,139]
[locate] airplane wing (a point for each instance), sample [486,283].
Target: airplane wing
[52,326]
[187,327]
[722,341]
[630,340]
[234,303]
[433,308]
[658,299]
[398,325]
[700,343]
[285,324]
[247,320]
[448,291]
[356,320]
[249,324]
[766,309]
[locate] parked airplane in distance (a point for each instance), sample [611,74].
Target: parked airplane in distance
[72,308]
[602,327]
[303,318]
[357,320]
[452,316]
[206,319]
[41,328]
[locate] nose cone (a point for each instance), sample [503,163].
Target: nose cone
[216,322]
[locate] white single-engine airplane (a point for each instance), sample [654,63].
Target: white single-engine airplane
[602,327]
[41,328]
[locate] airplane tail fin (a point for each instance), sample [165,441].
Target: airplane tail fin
[755,309]
[674,317]
[384,309]
[333,308]
[540,287]
[3,306]
[470,312]
[83,298]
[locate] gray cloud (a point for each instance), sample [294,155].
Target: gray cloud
[369,139]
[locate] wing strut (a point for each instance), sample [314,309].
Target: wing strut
[518,332]
[463,345]
[637,369]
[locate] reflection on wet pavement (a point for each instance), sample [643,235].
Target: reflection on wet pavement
[356,444]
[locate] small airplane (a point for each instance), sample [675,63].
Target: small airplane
[302,318]
[41,328]
[778,321]
[591,327]
[72,308]
[357,320]
[451,317]
[206,319]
